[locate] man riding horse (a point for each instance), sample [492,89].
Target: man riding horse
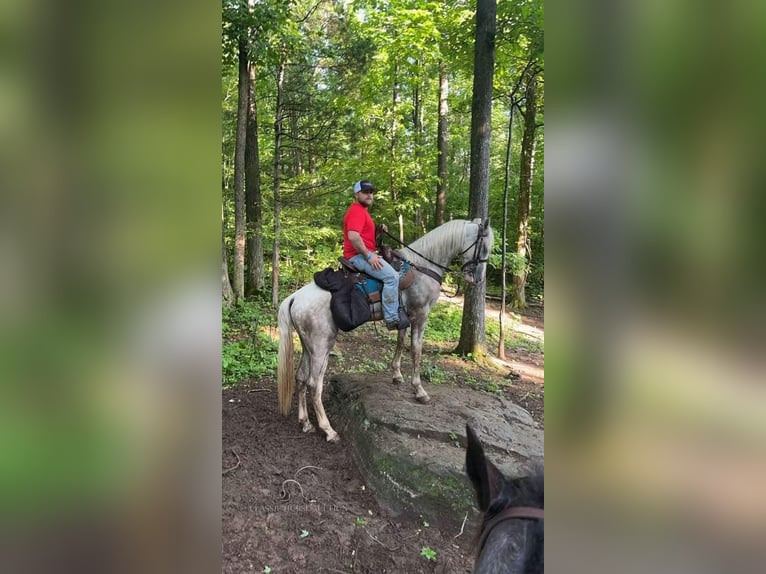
[359,248]
[308,310]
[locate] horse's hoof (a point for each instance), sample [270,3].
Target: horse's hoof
[335,437]
[398,380]
[307,427]
[423,399]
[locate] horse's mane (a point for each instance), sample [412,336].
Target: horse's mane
[440,244]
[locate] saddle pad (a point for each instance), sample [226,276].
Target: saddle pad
[372,286]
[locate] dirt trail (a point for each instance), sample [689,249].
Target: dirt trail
[294,503]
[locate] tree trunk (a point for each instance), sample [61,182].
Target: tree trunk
[311,147]
[441,169]
[277,181]
[392,177]
[506,185]
[472,334]
[297,151]
[255,276]
[418,117]
[239,175]
[226,292]
[526,170]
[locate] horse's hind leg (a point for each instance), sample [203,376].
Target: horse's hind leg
[301,378]
[303,412]
[317,383]
[322,420]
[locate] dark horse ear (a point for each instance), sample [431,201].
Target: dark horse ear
[486,478]
[486,224]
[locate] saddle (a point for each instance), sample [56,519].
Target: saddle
[354,294]
[371,286]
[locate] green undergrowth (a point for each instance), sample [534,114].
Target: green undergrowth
[444,323]
[248,349]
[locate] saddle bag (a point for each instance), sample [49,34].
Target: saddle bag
[348,305]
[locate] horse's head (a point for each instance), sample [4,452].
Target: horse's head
[477,245]
[511,538]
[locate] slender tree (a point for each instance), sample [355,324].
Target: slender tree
[441,170]
[472,336]
[239,173]
[506,185]
[226,292]
[526,171]
[277,180]
[394,129]
[254,211]
[512,105]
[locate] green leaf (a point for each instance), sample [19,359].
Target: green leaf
[428,553]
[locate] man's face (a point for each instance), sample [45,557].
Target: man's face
[365,198]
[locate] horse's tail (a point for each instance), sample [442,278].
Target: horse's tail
[285,370]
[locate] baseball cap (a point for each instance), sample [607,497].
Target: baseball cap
[364,185]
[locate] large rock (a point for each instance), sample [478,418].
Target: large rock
[413,455]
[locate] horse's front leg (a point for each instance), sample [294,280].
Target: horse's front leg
[418,329]
[396,365]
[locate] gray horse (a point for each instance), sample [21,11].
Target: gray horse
[308,312]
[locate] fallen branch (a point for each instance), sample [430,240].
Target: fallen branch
[379,542]
[284,495]
[236,466]
[417,533]
[462,527]
[304,468]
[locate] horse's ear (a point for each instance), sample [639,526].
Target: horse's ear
[486,478]
[486,223]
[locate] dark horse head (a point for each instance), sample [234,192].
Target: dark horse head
[511,539]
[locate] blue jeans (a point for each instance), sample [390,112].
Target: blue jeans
[389,296]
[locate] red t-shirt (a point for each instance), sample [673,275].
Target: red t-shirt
[358,219]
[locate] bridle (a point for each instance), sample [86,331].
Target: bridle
[472,265]
[512,513]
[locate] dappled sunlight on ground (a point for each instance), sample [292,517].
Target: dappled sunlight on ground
[528,330]
[528,371]
[521,378]
[271,332]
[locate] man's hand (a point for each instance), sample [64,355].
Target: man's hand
[376,262]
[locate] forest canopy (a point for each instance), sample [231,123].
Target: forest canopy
[317,95]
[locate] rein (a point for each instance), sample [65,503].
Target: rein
[434,263]
[472,264]
[513,513]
